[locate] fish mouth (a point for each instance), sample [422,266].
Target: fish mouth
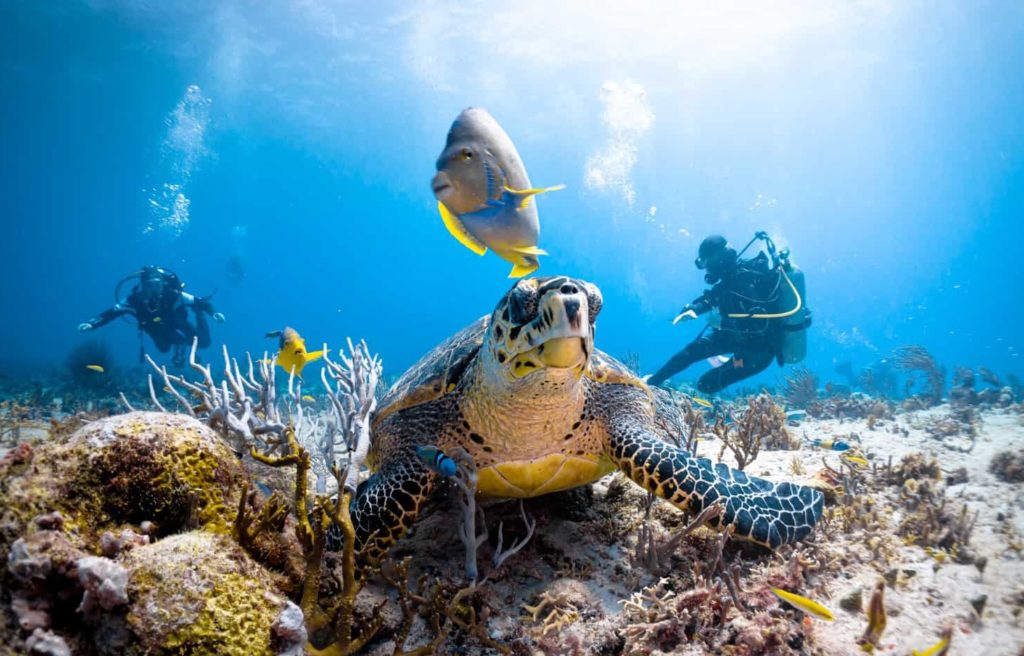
[441,186]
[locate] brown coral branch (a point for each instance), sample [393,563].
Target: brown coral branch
[248,524]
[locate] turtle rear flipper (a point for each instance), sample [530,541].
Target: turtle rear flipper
[769,514]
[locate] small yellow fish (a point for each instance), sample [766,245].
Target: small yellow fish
[855,460]
[308,398]
[704,403]
[804,604]
[292,355]
[95,367]
[938,649]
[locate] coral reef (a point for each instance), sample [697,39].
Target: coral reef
[84,516]
[141,466]
[853,406]
[1008,466]
[917,359]
[800,389]
[762,423]
[225,606]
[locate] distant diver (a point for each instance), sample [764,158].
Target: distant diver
[234,270]
[762,314]
[160,306]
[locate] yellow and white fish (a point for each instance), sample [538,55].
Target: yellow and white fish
[483,192]
[95,367]
[804,604]
[938,649]
[292,355]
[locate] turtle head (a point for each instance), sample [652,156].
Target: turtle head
[542,325]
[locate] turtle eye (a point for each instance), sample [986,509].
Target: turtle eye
[594,300]
[522,305]
[467,153]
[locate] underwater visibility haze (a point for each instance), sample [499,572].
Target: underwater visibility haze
[294,171]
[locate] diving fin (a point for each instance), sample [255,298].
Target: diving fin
[459,231]
[522,196]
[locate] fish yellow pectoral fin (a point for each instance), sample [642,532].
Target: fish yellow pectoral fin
[458,230]
[523,196]
[520,270]
[311,356]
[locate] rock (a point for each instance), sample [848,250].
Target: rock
[853,602]
[105,583]
[112,545]
[44,560]
[29,617]
[289,631]
[978,604]
[47,643]
[50,522]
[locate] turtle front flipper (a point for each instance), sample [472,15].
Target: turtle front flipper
[770,514]
[386,505]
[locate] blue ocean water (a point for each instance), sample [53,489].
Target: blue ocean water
[881,141]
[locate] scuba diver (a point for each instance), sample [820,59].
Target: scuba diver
[761,315]
[161,309]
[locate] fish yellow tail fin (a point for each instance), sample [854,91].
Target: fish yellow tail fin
[530,250]
[520,270]
[523,196]
[458,230]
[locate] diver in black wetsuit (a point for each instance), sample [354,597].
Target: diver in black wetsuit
[161,309]
[745,292]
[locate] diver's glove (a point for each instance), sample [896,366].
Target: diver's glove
[82,327]
[218,317]
[686,315]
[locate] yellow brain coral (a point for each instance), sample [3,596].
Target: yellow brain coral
[199,593]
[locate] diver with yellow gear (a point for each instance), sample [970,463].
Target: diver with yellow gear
[762,314]
[160,306]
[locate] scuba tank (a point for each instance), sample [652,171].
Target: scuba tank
[790,305]
[794,326]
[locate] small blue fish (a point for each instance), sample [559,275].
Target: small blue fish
[834,445]
[435,458]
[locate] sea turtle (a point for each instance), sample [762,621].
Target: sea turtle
[539,409]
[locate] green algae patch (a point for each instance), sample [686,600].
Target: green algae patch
[199,593]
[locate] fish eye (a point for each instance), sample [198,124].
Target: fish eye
[467,153]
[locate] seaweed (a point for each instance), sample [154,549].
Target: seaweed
[876,619]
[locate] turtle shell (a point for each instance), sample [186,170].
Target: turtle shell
[437,373]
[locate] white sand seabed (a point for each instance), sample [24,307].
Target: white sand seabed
[939,594]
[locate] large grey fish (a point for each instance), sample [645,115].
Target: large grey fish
[483,192]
